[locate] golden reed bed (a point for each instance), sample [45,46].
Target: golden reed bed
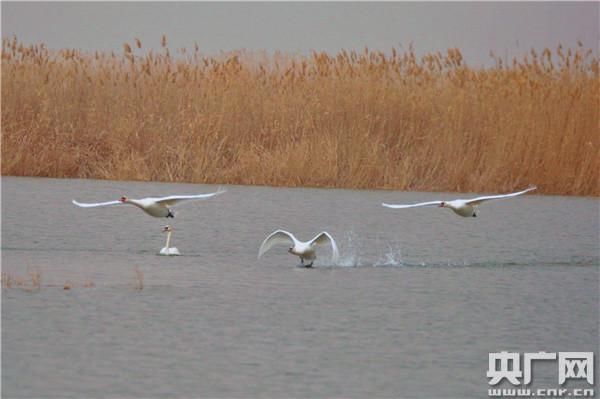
[351,119]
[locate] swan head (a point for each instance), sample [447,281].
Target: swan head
[123,199]
[291,250]
[442,204]
[167,228]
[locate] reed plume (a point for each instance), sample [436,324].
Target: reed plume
[355,119]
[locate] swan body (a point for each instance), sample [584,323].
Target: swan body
[154,206]
[303,249]
[462,207]
[168,249]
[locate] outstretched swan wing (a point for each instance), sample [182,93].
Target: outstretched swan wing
[479,200]
[324,238]
[86,205]
[430,203]
[174,199]
[278,237]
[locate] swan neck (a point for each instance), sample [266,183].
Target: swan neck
[168,243]
[134,202]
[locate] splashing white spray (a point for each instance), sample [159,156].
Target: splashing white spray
[392,257]
[350,250]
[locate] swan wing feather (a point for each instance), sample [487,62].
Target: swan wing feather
[479,200]
[278,237]
[174,199]
[430,203]
[92,205]
[326,238]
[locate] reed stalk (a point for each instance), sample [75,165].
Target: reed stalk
[353,119]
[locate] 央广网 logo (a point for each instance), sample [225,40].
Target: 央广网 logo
[571,365]
[508,366]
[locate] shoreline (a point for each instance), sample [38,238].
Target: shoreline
[536,192]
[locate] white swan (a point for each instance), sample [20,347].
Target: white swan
[168,250]
[157,207]
[305,250]
[465,208]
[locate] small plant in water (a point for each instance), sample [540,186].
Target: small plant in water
[36,280]
[89,284]
[139,279]
[29,285]
[7,280]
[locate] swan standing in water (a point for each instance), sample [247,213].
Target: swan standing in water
[168,250]
[305,250]
[465,208]
[157,207]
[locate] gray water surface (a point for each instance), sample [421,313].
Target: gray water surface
[418,300]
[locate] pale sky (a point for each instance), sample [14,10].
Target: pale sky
[507,28]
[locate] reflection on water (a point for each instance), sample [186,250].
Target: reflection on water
[415,304]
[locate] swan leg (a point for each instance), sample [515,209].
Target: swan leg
[309,265]
[170,214]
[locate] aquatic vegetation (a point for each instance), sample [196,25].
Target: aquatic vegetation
[363,119]
[88,284]
[31,283]
[139,279]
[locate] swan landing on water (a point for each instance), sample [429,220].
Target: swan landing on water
[157,207]
[168,250]
[305,250]
[465,208]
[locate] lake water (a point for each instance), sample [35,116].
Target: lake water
[418,300]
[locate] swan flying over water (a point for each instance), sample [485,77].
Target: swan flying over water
[462,207]
[168,250]
[303,249]
[154,206]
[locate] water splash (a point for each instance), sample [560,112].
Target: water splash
[387,253]
[392,257]
[349,252]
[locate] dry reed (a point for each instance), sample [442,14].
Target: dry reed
[139,279]
[353,119]
[31,284]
